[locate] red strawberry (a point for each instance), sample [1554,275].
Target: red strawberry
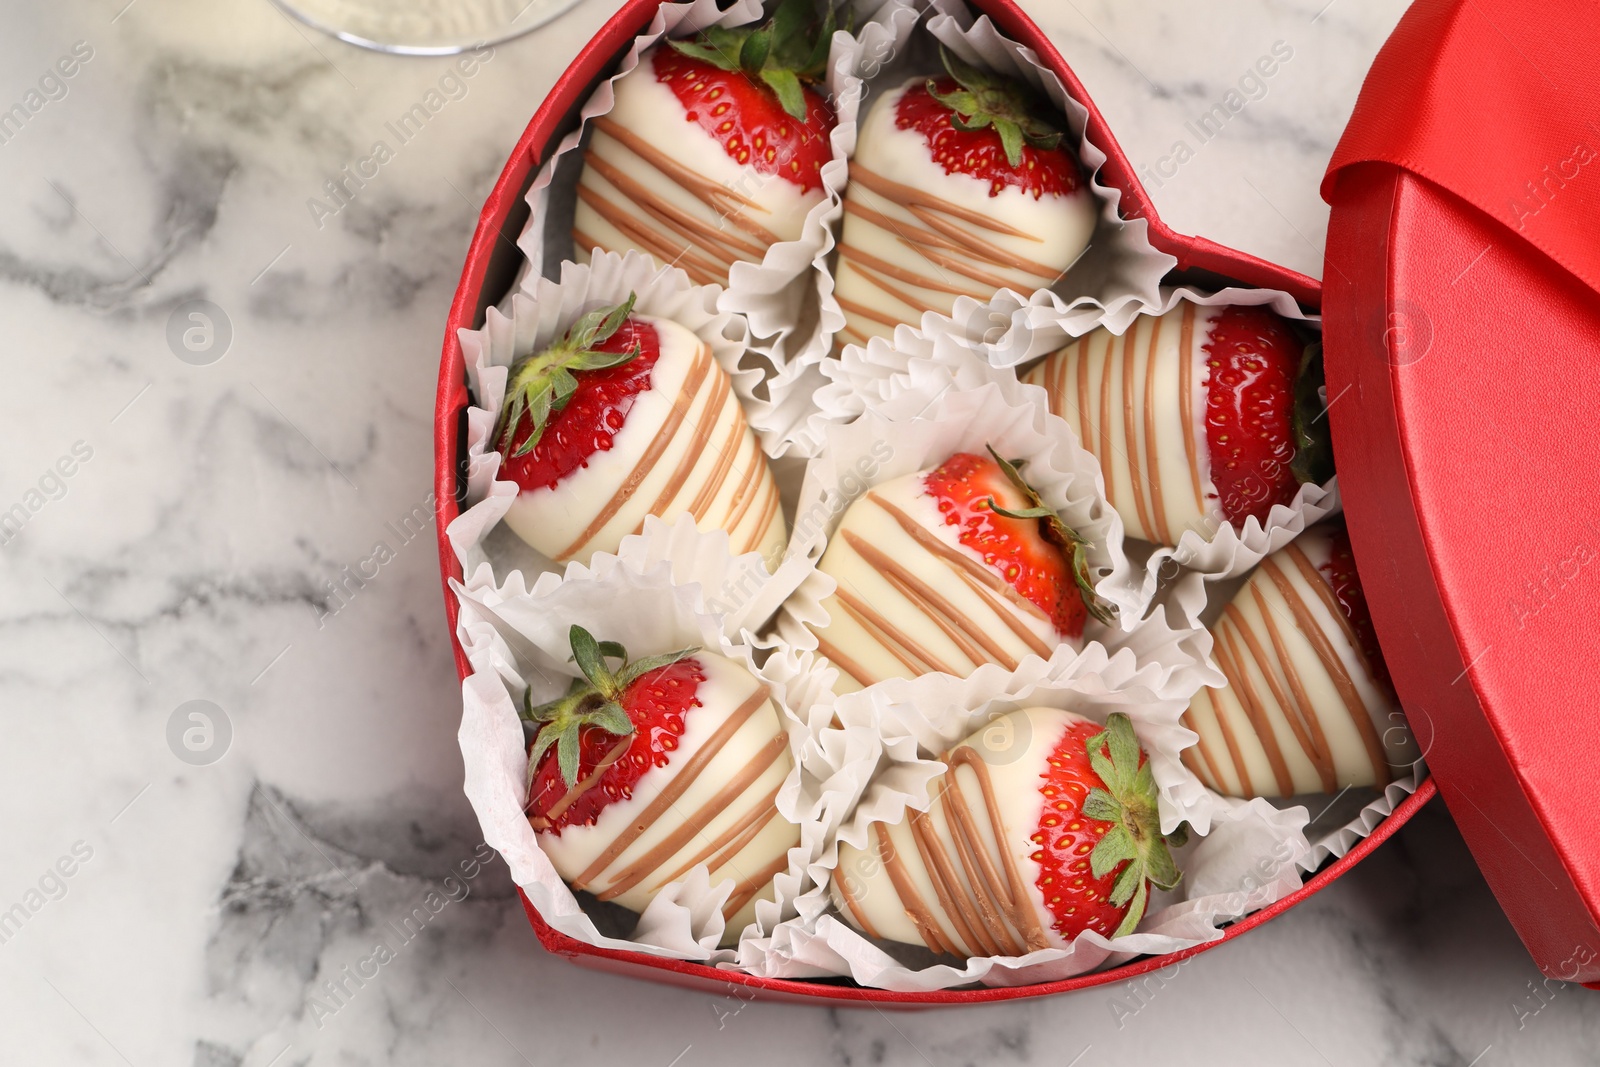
[623,418]
[1252,359]
[1040,796]
[568,402]
[1346,584]
[661,187]
[975,124]
[607,731]
[1200,414]
[960,186]
[1099,836]
[1002,519]
[748,118]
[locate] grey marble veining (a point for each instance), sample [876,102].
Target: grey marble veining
[239,527]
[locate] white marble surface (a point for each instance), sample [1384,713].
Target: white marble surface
[189,558]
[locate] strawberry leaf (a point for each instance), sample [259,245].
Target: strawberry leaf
[1313,447]
[1128,882]
[586,653]
[612,719]
[816,61]
[1019,116]
[787,87]
[1128,802]
[634,671]
[1130,921]
[1101,805]
[542,383]
[1114,848]
[721,58]
[753,54]
[567,754]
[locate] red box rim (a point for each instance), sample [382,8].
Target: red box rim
[1192,253]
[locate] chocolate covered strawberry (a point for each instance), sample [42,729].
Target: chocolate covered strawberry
[628,416]
[646,769]
[1308,706]
[951,568]
[960,186]
[714,149]
[1043,825]
[1198,416]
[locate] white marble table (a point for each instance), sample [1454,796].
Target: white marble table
[192,551]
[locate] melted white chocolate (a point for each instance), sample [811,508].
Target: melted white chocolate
[684,447]
[1137,402]
[962,881]
[912,599]
[712,803]
[1302,712]
[915,238]
[656,182]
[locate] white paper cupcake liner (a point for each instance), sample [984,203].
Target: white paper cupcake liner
[649,596]
[535,318]
[1250,859]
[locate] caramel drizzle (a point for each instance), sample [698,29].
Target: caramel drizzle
[976,645]
[1152,458]
[688,395]
[753,885]
[987,910]
[973,641]
[732,840]
[705,250]
[1297,712]
[675,842]
[1285,682]
[902,646]
[1233,667]
[1331,663]
[858,674]
[1140,486]
[1229,742]
[545,821]
[686,777]
[1186,357]
[938,236]
[977,573]
[842,884]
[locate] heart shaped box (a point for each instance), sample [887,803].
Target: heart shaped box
[491,266]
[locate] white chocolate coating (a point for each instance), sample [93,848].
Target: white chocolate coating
[701,824]
[864,886]
[1302,712]
[656,182]
[913,600]
[902,254]
[1137,402]
[685,446]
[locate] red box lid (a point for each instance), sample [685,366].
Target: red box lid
[1462,335]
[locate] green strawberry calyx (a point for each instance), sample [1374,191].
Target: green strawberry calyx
[1313,447]
[594,700]
[785,51]
[1128,802]
[541,383]
[983,98]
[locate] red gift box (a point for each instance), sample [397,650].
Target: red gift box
[1406,445]
[1466,233]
